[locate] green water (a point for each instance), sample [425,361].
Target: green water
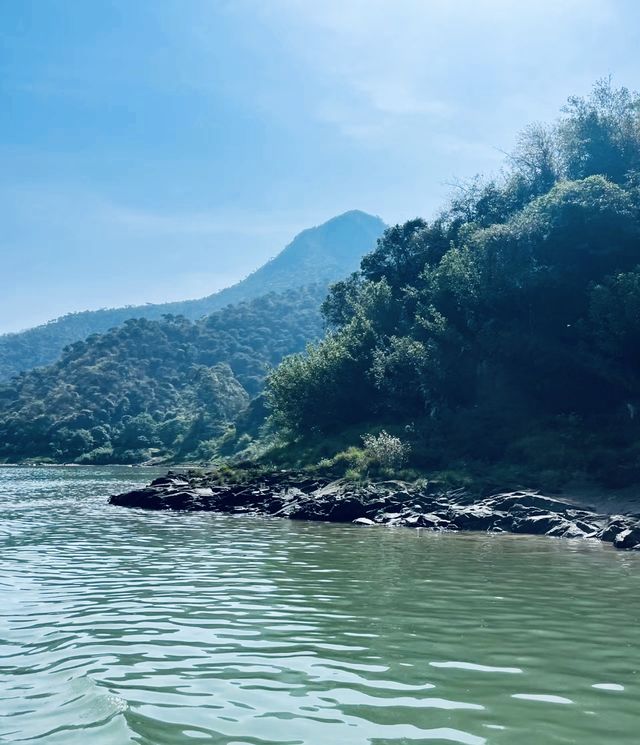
[120,626]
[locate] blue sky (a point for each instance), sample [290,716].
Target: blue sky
[160,149]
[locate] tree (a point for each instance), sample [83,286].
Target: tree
[600,135]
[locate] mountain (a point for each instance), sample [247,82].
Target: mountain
[155,388]
[319,255]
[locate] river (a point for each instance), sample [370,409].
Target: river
[120,626]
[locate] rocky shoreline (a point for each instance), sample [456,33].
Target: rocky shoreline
[392,503]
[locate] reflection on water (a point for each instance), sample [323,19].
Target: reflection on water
[120,626]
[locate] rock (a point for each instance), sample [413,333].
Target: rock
[170,480]
[474,517]
[519,501]
[347,510]
[149,498]
[182,500]
[306,509]
[616,524]
[589,529]
[273,505]
[388,517]
[394,503]
[545,524]
[568,530]
[628,538]
[553,525]
[427,520]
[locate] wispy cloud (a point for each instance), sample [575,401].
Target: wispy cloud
[385,63]
[198,223]
[68,205]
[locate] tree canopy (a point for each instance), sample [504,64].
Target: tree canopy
[163,387]
[505,329]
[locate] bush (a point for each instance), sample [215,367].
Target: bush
[386,450]
[97,456]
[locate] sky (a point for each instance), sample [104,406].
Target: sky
[159,150]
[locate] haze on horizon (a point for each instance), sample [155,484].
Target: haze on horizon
[161,150]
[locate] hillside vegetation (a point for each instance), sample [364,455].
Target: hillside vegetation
[321,255]
[168,388]
[505,333]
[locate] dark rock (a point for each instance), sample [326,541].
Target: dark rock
[273,505]
[628,538]
[170,480]
[347,510]
[545,524]
[394,503]
[306,509]
[388,517]
[148,498]
[519,501]
[589,529]
[182,500]
[427,520]
[474,517]
[616,525]
[567,529]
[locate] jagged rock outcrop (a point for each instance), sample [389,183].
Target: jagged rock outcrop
[393,503]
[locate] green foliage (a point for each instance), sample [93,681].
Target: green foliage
[599,135]
[507,330]
[614,317]
[100,456]
[386,450]
[308,392]
[166,387]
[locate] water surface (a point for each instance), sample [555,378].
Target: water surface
[121,626]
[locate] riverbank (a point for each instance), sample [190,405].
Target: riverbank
[298,496]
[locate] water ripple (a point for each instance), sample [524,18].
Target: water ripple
[119,626]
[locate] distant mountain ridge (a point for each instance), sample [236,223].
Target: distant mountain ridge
[157,388]
[320,255]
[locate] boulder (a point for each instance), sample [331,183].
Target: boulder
[519,501]
[616,524]
[568,529]
[388,517]
[474,517]
[545,524]
[363,521]
[346,510]
[426,520]
[306,509]
[149,498]
[183,500]
[628,538]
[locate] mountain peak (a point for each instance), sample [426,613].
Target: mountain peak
[341,241]
[319,255]
[355,214]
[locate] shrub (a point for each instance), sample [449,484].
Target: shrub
[386,450]
[98,456]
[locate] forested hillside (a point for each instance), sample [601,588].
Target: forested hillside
[321,254]
[163,388]
[503,333]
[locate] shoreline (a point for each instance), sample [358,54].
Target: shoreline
[297,496]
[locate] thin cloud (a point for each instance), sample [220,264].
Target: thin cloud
[387,63]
